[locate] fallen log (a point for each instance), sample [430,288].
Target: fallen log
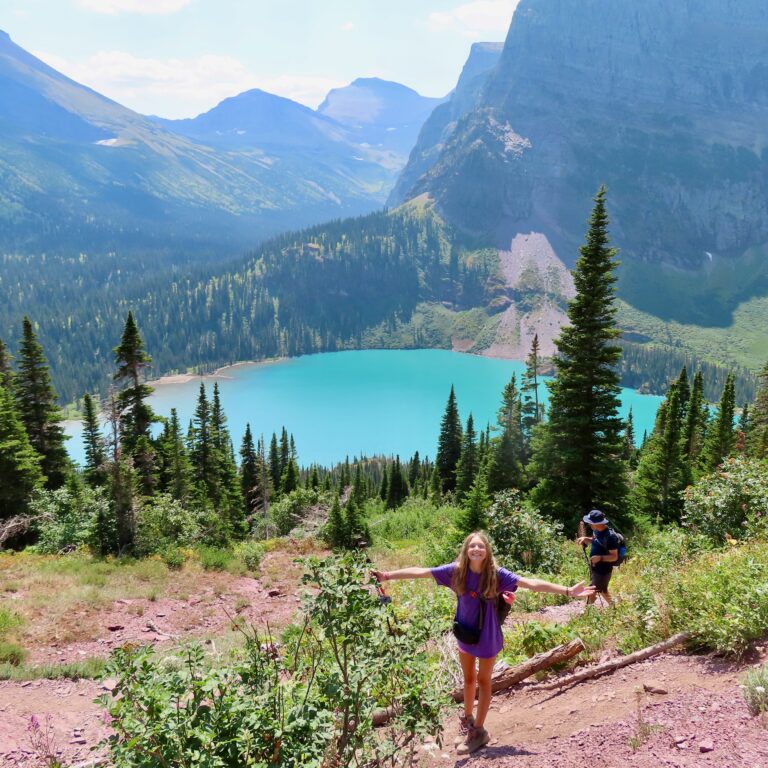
[610,666]
[513,675]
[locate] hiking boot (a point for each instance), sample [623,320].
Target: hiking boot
[476,738]
[466,723]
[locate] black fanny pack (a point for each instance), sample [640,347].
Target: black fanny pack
[467,634]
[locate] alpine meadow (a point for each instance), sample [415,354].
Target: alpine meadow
[186,189]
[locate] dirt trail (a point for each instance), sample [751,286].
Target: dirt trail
[701,720]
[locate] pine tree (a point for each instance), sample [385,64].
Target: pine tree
[285,451]
[757,439]
[335,532]
[37,408]
[473,514]
[250,472]
[531,410]
[95,448]
[6,369]
[122,479]
[384,487]
[355,528]
[695,426]
[435,486]
[175,470]
[274,464]
[577,457]
[20,471]
[449,445]
[683,390]
[202,449]
[359,491]
[662,470]
[414,470]
[466,469]
[289,482]
[132,362]
[630,451]
[506,460]
[720,436]
[397,489]
[314,478]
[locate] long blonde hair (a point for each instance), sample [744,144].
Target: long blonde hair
[489,577]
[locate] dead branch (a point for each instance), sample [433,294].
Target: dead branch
[513,675]
[623,661]
[15,526]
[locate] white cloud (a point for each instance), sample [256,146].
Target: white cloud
[476,19]
[154,7]
[182,87]
[348,27]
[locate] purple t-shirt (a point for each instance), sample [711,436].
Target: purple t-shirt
[468,611]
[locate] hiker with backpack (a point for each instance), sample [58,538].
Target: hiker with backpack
[482,588]
[607,551]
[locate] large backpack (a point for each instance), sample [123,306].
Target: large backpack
[622,547]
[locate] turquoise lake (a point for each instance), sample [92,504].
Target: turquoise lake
[358,403]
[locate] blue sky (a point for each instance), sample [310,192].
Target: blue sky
[177,58]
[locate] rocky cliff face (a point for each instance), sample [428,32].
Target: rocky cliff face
[436,131]
[664,102]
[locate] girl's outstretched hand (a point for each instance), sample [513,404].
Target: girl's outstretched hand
[380,575]
[579,590]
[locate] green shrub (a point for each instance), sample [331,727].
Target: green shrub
[173,557]
[732,501]
[214,559]
[722,597]
[68,516]
[290,510]
[523,539]
[250,553]
[754,686]
[165,522]
[293,706]
[11,653]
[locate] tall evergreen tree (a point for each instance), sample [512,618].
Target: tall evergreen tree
[683,390]
[335,531]
[132,362]
[630,451]
[757,439]
[397,489]
[289,482]
[578,458]
[473,514]
[38,410]
[250,472]
[359,490]
[285,451]
[506,461]
[6,368]
[449,445]
[202,450]
[531,410]
[20,471]
[662,470]
[384,487]
[720,436]
[414,470]
[466,469]
[175,470]
[695,426]
[95,470]
[274,464]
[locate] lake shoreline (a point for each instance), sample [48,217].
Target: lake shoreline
[184,378]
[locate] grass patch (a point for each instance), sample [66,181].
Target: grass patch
[11,653]
[87,669]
